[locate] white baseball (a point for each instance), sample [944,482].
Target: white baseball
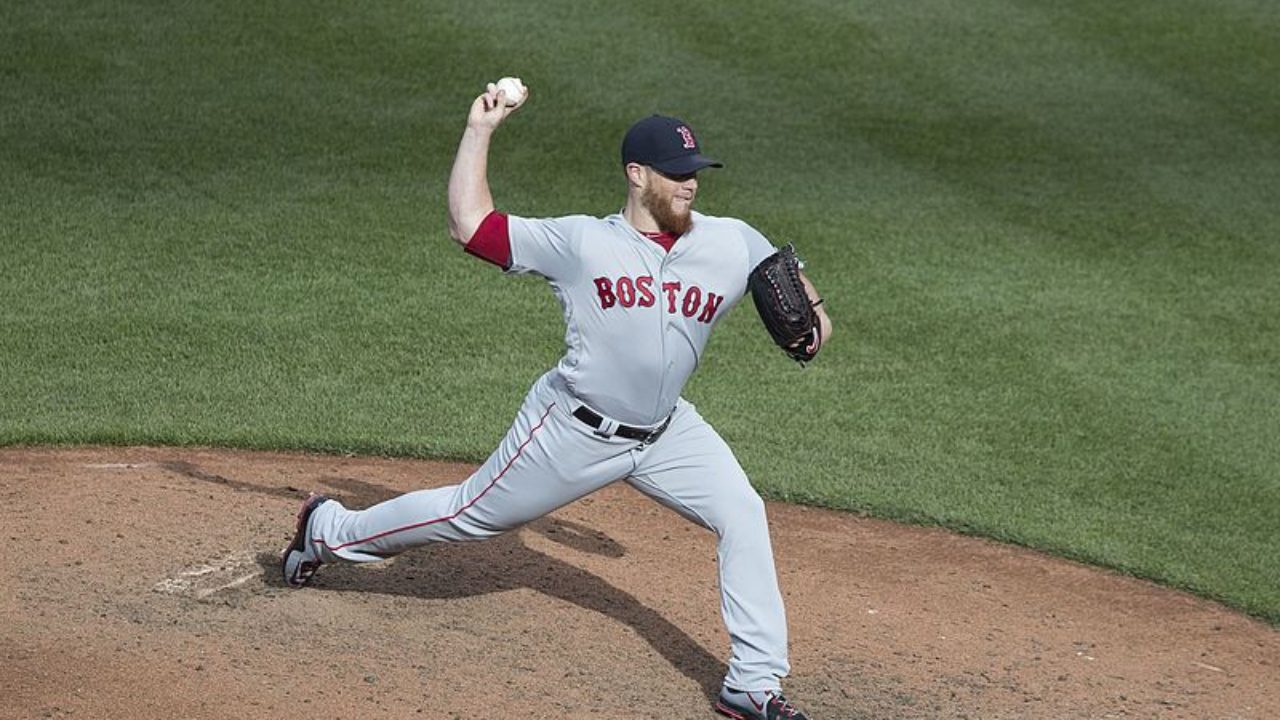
[514,89]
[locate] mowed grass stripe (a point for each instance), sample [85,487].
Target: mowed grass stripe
[1093,316]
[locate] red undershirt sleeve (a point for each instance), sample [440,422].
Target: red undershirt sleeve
[492,240]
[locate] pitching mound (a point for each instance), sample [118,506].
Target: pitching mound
[143,583]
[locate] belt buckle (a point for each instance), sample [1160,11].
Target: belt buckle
[656,433]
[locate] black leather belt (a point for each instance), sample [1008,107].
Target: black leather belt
[646,436]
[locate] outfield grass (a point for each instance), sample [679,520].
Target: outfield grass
[1047,233]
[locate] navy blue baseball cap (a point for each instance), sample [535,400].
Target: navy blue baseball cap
[665,144]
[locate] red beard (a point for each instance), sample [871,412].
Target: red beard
[669,220]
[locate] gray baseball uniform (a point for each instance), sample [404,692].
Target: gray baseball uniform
[637,318]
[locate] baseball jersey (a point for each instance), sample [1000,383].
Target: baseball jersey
[637,316]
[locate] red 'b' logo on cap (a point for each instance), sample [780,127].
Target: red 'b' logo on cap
[687,134]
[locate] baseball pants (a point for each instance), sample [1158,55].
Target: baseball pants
[547,460]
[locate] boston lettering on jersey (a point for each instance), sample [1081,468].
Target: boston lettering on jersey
[627,292]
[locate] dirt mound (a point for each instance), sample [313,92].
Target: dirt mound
[143,583]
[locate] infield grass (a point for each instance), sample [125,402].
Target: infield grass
[1047,233]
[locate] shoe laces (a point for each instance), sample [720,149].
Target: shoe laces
[782,705]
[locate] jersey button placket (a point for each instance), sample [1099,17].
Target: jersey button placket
[667,321]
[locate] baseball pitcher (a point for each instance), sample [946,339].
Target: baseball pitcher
[641,291]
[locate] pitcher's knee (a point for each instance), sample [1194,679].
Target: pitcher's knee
[742,510]
[475,530]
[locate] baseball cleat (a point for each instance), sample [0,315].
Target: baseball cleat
[298,562]
[763,705]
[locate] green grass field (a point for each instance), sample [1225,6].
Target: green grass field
[1047,233]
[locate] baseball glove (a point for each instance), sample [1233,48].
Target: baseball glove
[784,306]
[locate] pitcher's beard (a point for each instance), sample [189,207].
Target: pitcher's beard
[668,219]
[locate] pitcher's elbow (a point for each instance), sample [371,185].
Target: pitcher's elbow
[458,233]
